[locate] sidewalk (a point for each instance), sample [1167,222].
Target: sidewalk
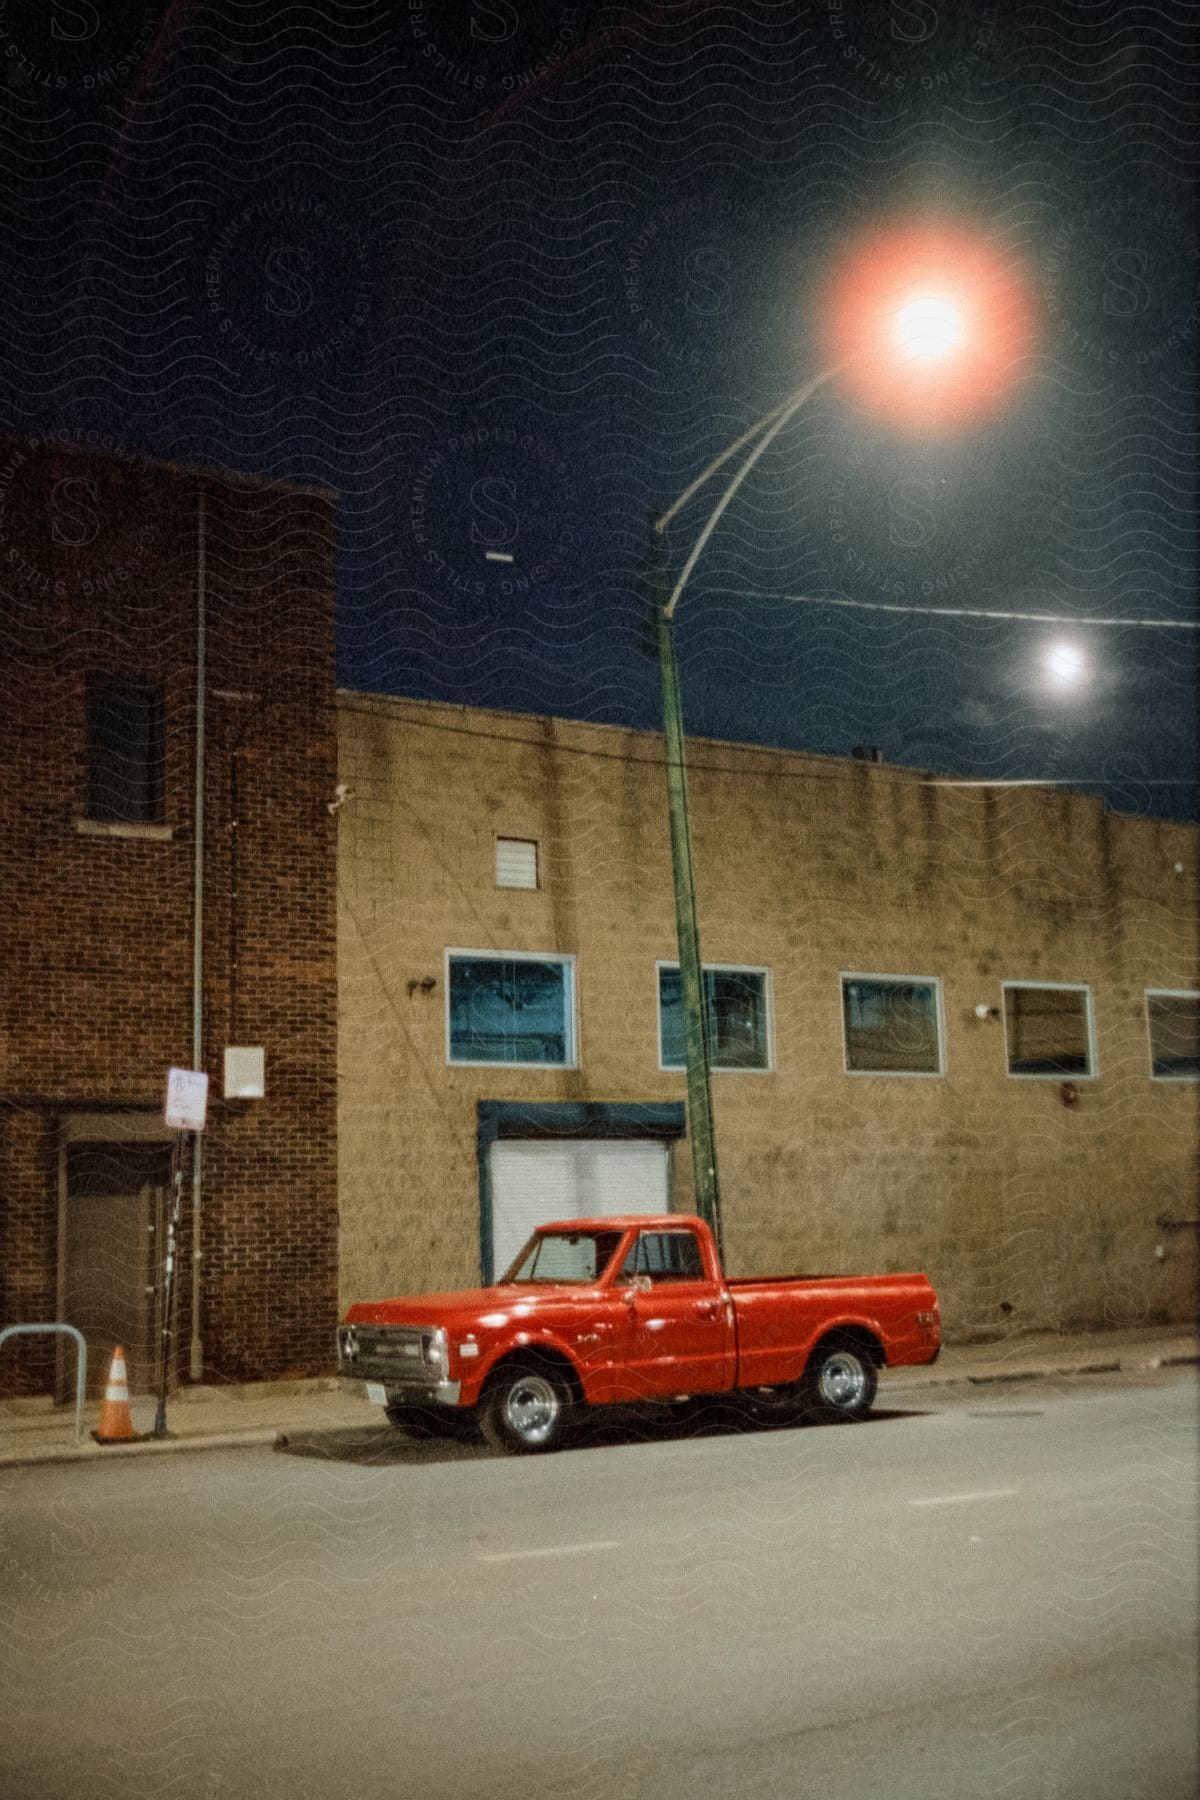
[198,1418]
[1049,1354]
[209,1418]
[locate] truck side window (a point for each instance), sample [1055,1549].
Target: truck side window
[665,1256]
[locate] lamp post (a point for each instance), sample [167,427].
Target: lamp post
[697,1022]
[701,1134]
[913,304]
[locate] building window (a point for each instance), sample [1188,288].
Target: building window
[1048,1030]
[737,1017]
[516,862]
[1173,1018]
[124,752]
[514,1009]
[892,1025]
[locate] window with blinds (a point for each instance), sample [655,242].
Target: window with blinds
[516,862]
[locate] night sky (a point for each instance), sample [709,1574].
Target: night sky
[508,274]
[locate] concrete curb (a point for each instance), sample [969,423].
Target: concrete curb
[104,1453]
[1128,1365]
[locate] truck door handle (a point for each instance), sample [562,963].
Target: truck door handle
[708,1309]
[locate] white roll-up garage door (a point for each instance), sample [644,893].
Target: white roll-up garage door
[535,1180]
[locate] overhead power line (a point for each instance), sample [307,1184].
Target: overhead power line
[961,612]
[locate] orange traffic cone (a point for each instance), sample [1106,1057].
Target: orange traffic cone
[116,1421]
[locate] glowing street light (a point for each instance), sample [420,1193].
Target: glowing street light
[1065,665]
[933,321]
[930,326]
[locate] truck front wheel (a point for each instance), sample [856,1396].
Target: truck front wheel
[841,1380]
[526,1408]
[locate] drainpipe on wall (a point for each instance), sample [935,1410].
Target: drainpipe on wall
[196,1357]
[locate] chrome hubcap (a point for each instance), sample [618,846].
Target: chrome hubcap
[531,1408]
[843,1380]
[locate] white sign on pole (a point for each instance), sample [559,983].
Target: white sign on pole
[187,1099]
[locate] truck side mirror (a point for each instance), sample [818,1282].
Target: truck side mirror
[638,1284]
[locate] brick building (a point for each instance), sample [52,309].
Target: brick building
[956,1027]
[146,610]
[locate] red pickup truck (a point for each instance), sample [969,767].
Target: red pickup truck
[597,1312]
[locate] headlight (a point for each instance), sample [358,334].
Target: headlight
[437,1352]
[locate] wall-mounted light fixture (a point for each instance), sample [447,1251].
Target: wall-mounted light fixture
[423,985]
[987,1012]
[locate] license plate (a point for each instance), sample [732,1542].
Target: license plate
[376,1393]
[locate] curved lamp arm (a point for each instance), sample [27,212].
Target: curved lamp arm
[766,430]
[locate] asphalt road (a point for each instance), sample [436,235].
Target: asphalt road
[981,1592]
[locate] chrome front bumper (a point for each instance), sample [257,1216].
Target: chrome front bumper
[393,1360]
[409,1393]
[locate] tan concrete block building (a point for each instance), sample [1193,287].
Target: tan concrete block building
[956,1027]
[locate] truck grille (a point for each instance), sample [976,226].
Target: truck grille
[391,1353]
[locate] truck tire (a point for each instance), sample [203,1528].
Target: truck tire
[527,1407]
[840,1381]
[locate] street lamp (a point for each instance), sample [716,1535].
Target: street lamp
[910,306]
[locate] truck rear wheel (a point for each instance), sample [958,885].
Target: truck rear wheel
[841,1380]
[526,1408]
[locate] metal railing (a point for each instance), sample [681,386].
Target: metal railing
[80,1362]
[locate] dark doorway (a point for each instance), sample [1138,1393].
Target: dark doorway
[111,1254]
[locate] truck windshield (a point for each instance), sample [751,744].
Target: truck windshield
[563,1256]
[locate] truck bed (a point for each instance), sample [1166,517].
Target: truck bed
[779,1319]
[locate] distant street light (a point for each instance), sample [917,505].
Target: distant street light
[1064,664]
[931,326]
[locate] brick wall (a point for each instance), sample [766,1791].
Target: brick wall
[99,575]
[1026,1211]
